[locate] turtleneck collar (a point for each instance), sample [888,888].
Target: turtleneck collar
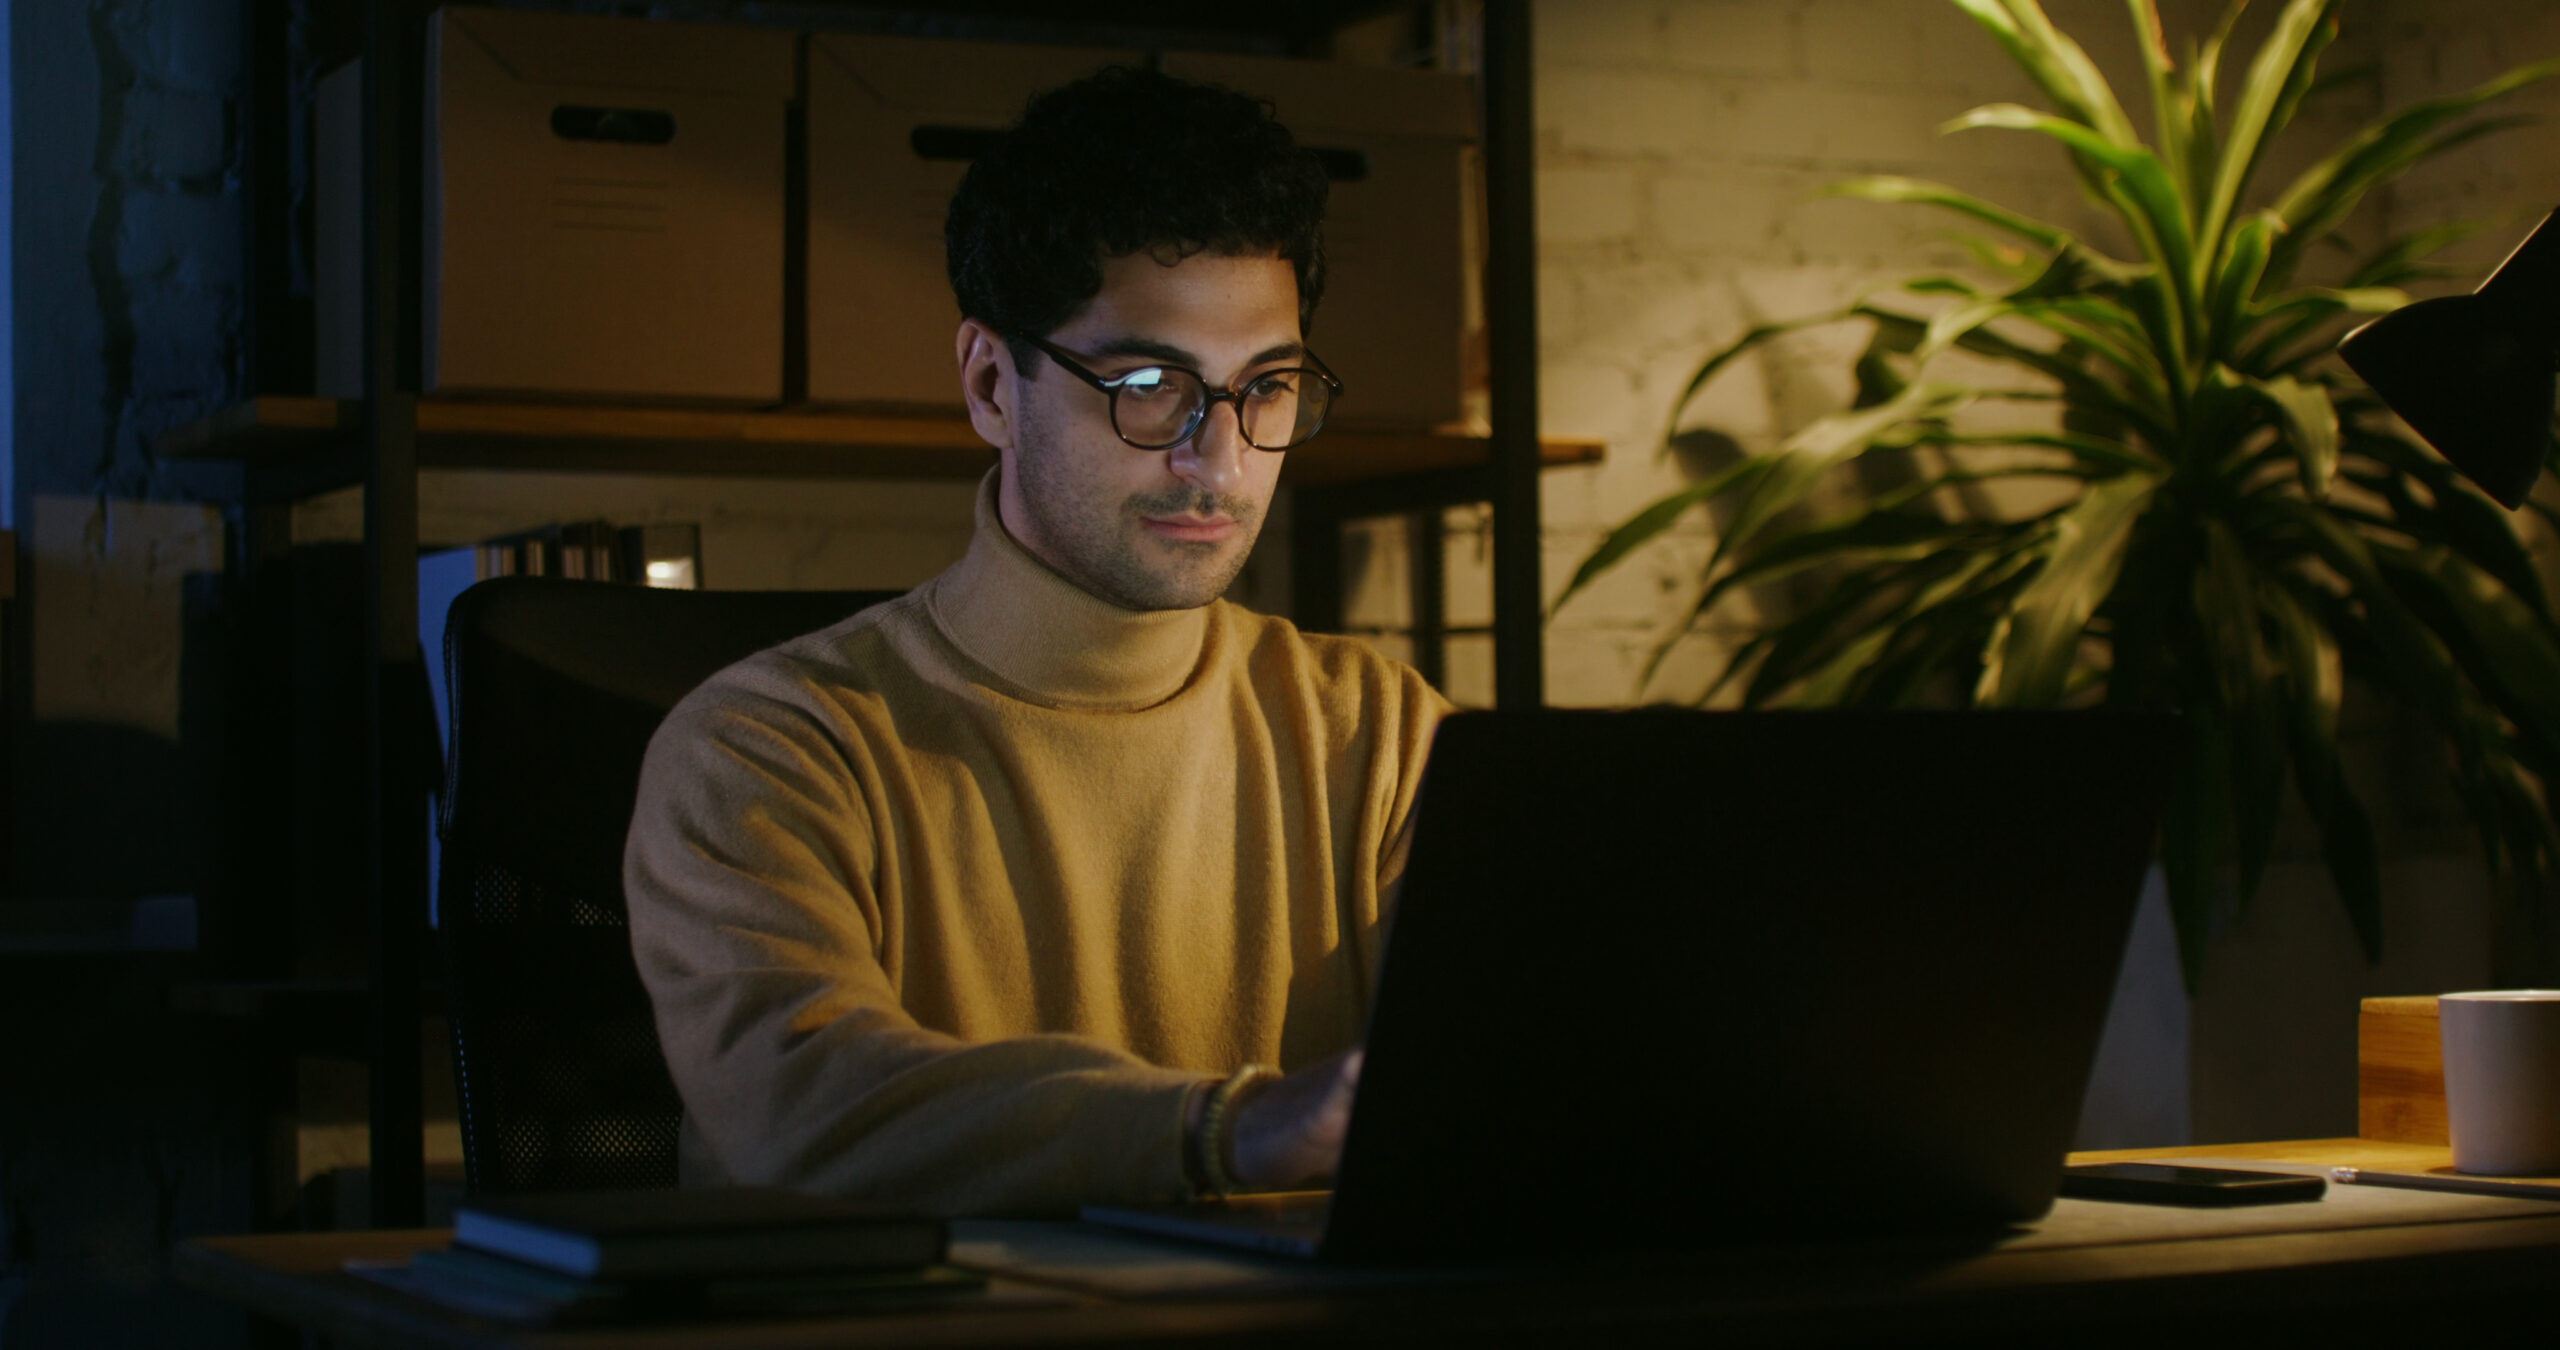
[1055,642]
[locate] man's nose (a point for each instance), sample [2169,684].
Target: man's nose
[1213,459]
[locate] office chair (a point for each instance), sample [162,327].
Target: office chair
[556,688]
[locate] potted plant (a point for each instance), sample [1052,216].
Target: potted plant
[2237,528]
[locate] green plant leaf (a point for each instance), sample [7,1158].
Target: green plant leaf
[1852,605]
[1890,188]
[2277,79]
[2301,313]
[2193,824]
[2048,300]
[2236,281]
[2315,678]
[1949,325]
[1881,535]
[1748,342]
[2509,649]
[2191,556]
[2397,261]
[2083,392]
[2506,801]
[2032,650]
[2095,456]
[1941,285]
[1934,655]
[1828,684]
[1815,674]
[2225,589]
[2204,76]
[2413,658]
[2328,301]
[2322,195]
[2078,270]
[2106,316]
[2222,416]
[2135,181]
[1645,525]
[2310,424]
[2054,62]
[2172,110]
[2085,330]
[2010,262]
[1797,465]
[2459,515]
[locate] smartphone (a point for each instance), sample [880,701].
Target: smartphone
[2168,1184]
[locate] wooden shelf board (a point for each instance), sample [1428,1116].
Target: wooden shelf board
[458,434]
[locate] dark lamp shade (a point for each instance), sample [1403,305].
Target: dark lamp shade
[2475,374]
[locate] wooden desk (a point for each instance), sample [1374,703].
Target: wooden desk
[2091,1273]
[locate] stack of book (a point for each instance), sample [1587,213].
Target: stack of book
[667,554]
[575,1258]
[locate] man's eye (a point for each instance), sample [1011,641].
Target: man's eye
[1276,385]
[1148,383]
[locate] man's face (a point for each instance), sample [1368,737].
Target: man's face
[1151,529]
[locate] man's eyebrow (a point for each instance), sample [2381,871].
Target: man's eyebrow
[1148,347]
[1173,355]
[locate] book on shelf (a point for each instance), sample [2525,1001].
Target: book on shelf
[697,1234]
[584,550]
[667,555]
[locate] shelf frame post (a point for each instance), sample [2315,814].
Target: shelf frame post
[1511,315]
[395,778]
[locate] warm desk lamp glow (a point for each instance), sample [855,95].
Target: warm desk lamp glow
[2475,374]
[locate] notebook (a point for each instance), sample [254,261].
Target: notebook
[1665,979]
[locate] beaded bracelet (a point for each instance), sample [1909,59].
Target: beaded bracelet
[1214,1143]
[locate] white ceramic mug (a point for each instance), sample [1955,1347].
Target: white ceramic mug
[2502,1080]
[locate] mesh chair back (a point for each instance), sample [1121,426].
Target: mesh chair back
[557,686]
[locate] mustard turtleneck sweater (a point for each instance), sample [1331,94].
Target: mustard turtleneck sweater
[951,904]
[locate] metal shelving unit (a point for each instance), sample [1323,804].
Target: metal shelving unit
[288,447]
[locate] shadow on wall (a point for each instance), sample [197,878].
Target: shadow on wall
[108,813]
[125,1123]
[103,814]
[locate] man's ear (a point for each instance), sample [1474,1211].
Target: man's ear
[986,383]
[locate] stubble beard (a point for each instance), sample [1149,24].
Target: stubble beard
[1105,547]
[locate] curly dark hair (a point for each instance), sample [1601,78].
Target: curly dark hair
[1122,161]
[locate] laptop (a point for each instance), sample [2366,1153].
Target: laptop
[1664,979]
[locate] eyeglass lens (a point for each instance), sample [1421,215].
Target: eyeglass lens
[1162,406]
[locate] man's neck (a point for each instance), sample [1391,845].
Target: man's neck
[1051,640]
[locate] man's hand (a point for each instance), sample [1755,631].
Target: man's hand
[1289,1134]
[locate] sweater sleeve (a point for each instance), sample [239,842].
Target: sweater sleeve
[756,929]
[1404,748]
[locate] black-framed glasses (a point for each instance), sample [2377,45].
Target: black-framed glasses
[1159,407]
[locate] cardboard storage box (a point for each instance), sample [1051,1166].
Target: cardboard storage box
[604,210]
[1395,304]
[892,124]
[2400,1071]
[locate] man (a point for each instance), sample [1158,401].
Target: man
[994,899]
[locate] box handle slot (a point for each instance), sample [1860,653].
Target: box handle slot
[620,126]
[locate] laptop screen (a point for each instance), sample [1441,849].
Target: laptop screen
[1669,978]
